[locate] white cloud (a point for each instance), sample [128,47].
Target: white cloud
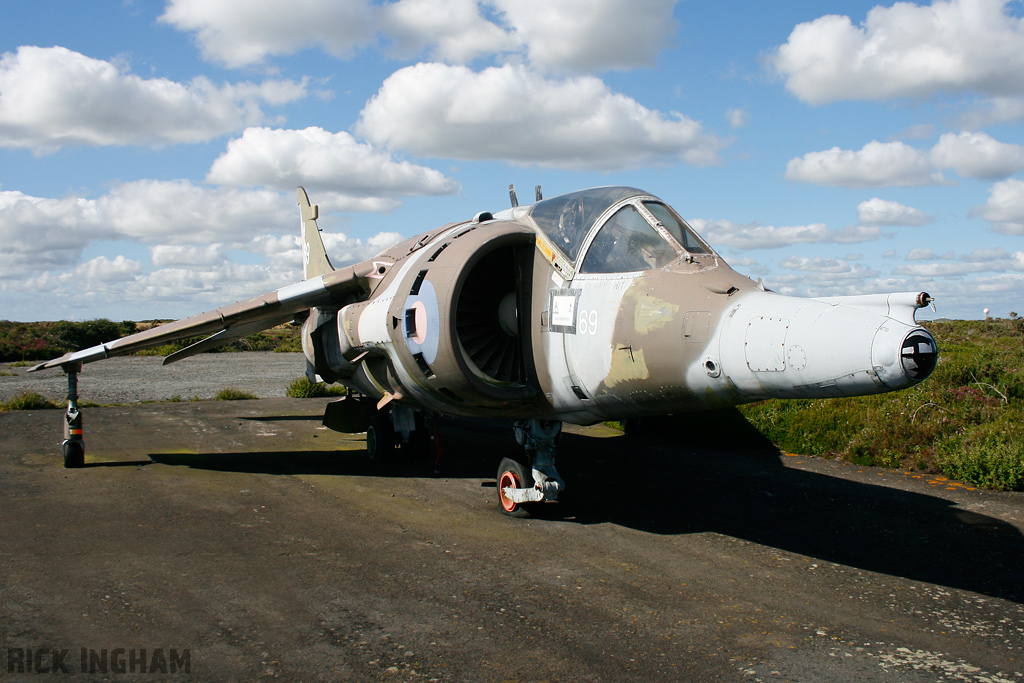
[284,252]
[42,233]
[737,118]
[357,176]
[591,35]
[242,32]
[906,50]
[54,97]
[977,155]
[1005,207]
[828,266]
[926,254]
[561,35]
[514,114]
[877,211]
[877,164]
[453,31]
[165,255]
[757,236]
[743,236]
[102,269]
[978,261]
[937,270]
[994,111]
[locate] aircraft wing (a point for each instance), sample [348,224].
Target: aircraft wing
[229,323]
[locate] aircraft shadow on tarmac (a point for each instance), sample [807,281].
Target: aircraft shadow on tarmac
[684,478]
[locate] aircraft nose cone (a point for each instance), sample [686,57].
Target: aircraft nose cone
[919,355]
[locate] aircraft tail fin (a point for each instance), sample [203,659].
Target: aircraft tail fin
[314,255]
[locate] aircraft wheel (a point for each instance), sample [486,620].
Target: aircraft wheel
[74,454]
[380,437]
[517,475]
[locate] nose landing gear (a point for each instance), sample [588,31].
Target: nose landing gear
[523,485]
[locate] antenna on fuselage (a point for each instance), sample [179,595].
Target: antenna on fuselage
[540,195]
[512,195]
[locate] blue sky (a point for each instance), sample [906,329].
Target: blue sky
[149,150]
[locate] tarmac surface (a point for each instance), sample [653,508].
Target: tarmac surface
[264,547]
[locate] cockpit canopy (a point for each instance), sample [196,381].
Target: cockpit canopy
[627,229]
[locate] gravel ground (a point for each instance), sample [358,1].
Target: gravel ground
[134,379]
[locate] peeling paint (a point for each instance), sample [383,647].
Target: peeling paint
[627,364]
[652,313]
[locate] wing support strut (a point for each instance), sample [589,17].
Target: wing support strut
[73,446]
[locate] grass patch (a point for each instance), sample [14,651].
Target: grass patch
[233,394]
[962,421]
[28,400]
[301,387]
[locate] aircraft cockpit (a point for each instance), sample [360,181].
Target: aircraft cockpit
[641,234]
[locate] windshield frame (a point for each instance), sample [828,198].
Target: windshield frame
[585,209]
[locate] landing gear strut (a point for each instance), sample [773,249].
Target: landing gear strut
[521,484]
[396,425]
[73,447]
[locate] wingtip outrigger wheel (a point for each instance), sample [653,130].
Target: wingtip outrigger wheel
[73,447]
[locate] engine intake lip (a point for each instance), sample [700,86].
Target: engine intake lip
[919,354]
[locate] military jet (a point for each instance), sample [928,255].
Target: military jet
[602,304]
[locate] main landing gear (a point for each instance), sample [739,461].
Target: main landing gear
[524,484]
[398,426]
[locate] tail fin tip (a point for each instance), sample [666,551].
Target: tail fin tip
[314,255]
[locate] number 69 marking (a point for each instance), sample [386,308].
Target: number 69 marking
[587,322]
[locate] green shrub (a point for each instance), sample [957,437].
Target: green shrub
[28,400]
[990,455]
[232,394]
[301,387]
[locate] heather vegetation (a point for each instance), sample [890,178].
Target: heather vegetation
[961,422]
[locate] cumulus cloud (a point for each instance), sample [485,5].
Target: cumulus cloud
[561,35]
[453,31]
[357,176]
[186,224]
[906,50]
[877,211]
[55,97]
[978,261]
[514,114]
[827,266]
[994,111]
[926,254]
[756,236]
[1005,207]
[166,255]
[977,155]
[591,35]
[877,164]
[744,236]
[242,32]
[44,233]
[193,232]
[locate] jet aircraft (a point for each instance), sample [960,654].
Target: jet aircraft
[602,304]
